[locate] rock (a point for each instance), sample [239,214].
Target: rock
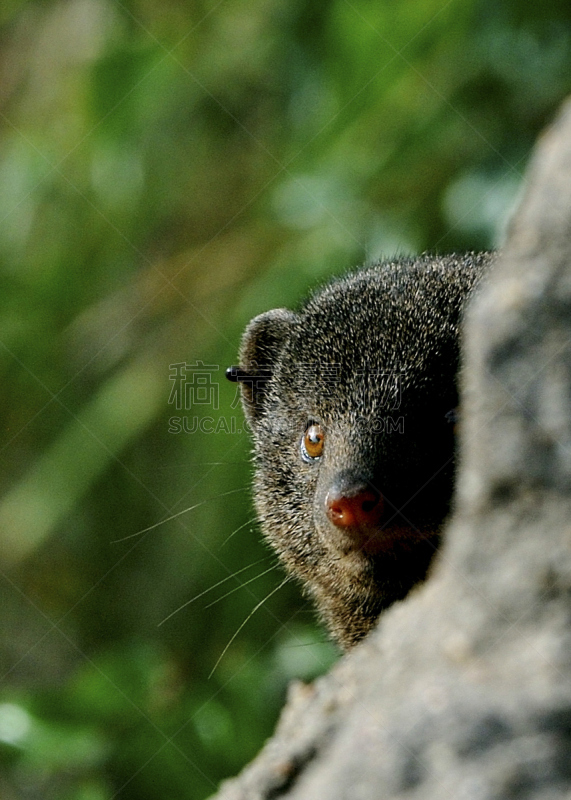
[463,690]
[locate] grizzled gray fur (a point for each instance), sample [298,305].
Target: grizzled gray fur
[351,402]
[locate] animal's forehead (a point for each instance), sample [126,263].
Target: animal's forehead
[328,390]
[360,342]
[349,371]
[320,377]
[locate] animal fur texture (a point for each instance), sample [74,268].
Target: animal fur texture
[351,403]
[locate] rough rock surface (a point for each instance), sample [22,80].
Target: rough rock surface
[463,691]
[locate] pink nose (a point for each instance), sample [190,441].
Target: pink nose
[362,510]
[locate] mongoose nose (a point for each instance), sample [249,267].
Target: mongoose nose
[362,509]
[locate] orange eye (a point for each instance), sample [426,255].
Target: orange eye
[312,442]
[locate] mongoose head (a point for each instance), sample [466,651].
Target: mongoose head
[349,402]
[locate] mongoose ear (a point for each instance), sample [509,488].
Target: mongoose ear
[261,345]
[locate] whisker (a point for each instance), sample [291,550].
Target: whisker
[178,514]
[248,522]
[237,588]
[309,644]
[250,615]
[198,596]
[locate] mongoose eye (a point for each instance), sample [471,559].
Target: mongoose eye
[312,442]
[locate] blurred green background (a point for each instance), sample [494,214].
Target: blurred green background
[168,169]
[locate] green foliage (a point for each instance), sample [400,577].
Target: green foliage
[168,170]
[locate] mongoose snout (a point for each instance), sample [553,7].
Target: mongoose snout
[354,507]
